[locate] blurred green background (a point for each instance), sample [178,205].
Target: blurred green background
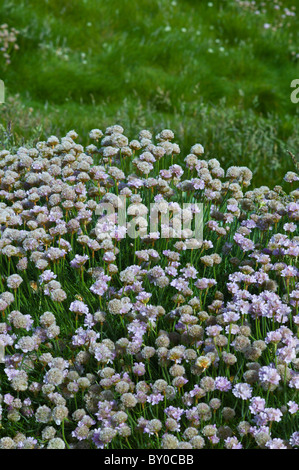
[217,73]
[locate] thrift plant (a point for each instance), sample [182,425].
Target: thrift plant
[164,340]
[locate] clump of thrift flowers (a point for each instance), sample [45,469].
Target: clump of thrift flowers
[159,341]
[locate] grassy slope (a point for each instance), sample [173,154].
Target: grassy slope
[211,73]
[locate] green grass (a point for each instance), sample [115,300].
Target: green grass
[211,73]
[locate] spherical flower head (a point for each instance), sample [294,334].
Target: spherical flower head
[60,413]
[96,134]
[173,412]
[179,381]
[269,377]
[232,443]
[148,352]
[190,432]
[58,295]
[273,414]
[7,443]
[213,330]
[26,344]
[115,306]
[291,177]
[261,438]
[128,400]
[81,432]
[160,386]
[153,426]
[228,413]
[138,369]
[79,307]
[47,319]
[83,383]
[228,358]
[20,381]
[43,414]
[107,434]
[293,407]
[54,376]
[79,261]
[209,430]
[14,281]
[294,439]
[197,149]
[215,403]
[124,430]
[48,433]
[122,387]
[208,384]
[172,425]
[166,134]
[242,390]
[169,441]
[20,321]
[120,417]
[176,370]
[276,443]
[197,442]
[56,443]
[204,411]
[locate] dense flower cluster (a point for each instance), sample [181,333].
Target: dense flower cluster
[155,342]
[8,41]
